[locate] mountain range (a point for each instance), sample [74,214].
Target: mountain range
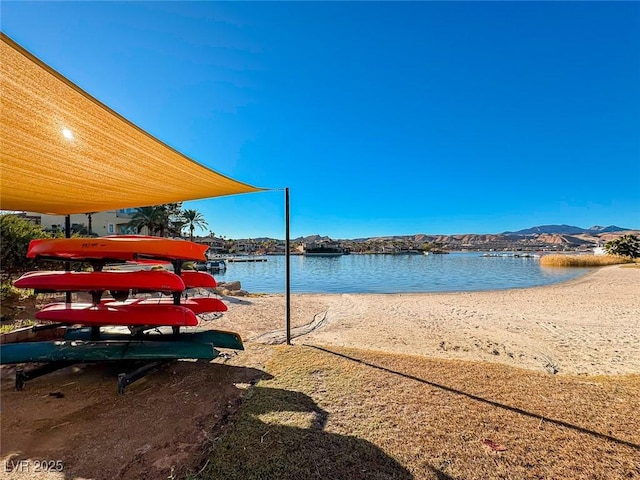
[568,230]
[542,237]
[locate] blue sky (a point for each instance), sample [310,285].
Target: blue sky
[382,118]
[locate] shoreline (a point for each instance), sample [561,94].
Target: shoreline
[402,274]
[586,325]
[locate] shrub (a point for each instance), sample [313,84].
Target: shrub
[624,246]
[15,235]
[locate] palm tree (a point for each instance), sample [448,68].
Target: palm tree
[193,219]
[152,217]
[159,219]
[90,219]
[175,226]
[173,221]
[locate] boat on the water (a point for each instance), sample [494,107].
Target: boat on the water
[511,255]
[211,266]
[323,249]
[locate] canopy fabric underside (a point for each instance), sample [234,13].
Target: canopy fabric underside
[64,152]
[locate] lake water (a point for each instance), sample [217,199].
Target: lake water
[394,273]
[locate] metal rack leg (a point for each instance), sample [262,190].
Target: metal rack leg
[126,379]
[22,376]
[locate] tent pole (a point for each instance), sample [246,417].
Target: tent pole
[287,266]
[67,265]
[67,226]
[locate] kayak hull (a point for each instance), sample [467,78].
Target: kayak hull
[118,248]
[217,338]
[122,314]
[151,280]
[194,279]
[197,305]
[103,350]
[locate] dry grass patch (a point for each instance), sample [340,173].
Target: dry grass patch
[582,260]
[351,414]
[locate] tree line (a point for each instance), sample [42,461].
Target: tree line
[167,219]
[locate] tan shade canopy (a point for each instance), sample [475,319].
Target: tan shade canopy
[64,152]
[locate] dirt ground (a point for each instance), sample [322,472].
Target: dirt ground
[73,424]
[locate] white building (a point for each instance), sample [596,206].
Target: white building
[599,251]
[111,222]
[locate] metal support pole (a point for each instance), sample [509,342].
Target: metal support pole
[287,265]
[67,265]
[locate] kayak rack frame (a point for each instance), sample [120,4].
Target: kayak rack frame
[124,379]
[23,376]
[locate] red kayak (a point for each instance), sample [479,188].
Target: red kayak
[118,247]
[194,279]
[197,305]
[122,314]
[151,280]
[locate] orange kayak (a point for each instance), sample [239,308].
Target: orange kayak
[117,248]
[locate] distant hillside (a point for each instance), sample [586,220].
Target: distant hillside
[567,230]
[543,237]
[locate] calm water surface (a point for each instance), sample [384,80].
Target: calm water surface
[395,273]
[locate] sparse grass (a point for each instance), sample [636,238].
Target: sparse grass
[9,293]
[10,327]
[353,414]
[582,260]
[12,302]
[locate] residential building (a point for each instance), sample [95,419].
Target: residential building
[111,222]
[215,244]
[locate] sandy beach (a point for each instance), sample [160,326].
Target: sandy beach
[590,325]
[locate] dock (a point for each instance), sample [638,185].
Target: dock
[245,259]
